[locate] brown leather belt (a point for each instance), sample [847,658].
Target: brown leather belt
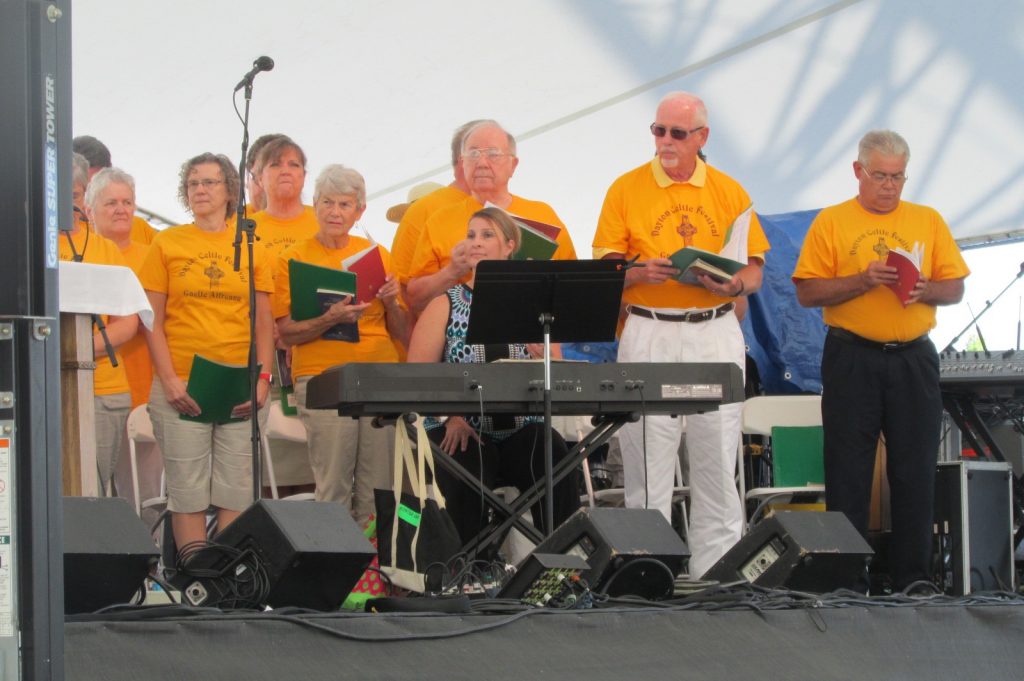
[693,317]
[893,346]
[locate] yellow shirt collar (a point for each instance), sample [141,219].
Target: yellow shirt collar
[697,179]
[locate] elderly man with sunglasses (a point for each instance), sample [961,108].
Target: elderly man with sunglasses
[677,200]
[879,370]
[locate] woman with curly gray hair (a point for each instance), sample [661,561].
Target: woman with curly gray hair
[201,306]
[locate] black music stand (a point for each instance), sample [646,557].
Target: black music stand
[530,301]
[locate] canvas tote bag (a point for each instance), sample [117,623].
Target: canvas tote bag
[415,535]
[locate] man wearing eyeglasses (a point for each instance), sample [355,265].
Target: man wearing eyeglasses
[879,370]
[441,259]
[677,200]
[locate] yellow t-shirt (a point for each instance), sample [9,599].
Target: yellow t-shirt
[447,227]
[409,229]
[99,250]
[142,232]
[207,310]
[844,238]
[277,234]
[135,353]
[312,358]
[645,213]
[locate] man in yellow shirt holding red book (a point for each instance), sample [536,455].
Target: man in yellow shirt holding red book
[879,370]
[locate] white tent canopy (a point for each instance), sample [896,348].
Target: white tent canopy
[790,87]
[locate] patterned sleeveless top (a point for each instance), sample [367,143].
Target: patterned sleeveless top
[458,351]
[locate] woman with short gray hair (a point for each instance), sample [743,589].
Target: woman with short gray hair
[349,457]
[110,205]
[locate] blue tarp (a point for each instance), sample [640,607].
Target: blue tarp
[784,339]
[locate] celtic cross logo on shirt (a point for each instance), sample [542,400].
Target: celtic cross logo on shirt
[881,249]
[686,230]
[215,273]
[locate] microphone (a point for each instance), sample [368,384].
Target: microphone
[263,63]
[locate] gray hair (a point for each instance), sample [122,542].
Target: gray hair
[700,112]
[104,179]
[95,152]
[885,142]
[459,136]
[489,123]
[337,179]
[79,169]
[227,169]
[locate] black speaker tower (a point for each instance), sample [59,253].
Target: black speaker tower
[35,198]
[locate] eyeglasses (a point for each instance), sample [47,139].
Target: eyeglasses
[205,184]
[880,178]
[491,154]
[680,134]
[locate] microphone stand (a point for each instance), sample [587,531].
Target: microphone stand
[988,305]
[246,226]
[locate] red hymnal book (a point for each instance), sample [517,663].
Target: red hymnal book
[550,231]
[368,267]
[908,270]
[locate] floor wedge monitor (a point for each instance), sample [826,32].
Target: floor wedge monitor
[107,553]
[800,550]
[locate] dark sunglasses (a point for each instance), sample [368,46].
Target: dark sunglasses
[677,133]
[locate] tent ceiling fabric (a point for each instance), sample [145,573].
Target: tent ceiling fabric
[790,87]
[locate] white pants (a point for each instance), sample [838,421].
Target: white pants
[712,439]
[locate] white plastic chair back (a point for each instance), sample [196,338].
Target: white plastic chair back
[762,412]
[280,427]
[140,430]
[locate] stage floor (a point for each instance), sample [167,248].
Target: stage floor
[927,639]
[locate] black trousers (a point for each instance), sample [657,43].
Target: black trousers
[517,461]
[867,391]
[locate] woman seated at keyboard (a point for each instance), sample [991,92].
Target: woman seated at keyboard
[500,449]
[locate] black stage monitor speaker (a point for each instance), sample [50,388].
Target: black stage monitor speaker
[623,547]
[313,552]
[800,550]
[107,553]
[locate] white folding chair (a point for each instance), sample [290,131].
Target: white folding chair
[760,414]
[281,427]
[140,431]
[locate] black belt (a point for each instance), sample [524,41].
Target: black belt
[893,346]
[701,316]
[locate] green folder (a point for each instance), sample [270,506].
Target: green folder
[797,456]
[534,247]
[305,279]
[689,260]
[217,388]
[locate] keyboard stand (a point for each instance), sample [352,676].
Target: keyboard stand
[508,515]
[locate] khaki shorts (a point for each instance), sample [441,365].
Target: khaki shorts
[205,464]
[111,417]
